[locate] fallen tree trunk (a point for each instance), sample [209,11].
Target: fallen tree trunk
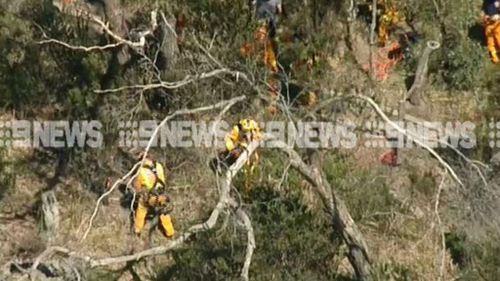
[51,217]
[341,219]
[415,92]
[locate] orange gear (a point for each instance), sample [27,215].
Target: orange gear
[262,41]
[261,34]
[385,58]
[270,57]
[247,50]
[389,158]
[492,32]
[151,177]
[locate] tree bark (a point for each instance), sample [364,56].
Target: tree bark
[50,210]
[415,92]
[341,219]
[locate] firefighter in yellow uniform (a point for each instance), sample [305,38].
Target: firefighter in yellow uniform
[246,131]
[388,20]
[491,21]
[149,185]
[267,13]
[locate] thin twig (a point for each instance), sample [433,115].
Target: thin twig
[80,48]
[443,240]
[170,85]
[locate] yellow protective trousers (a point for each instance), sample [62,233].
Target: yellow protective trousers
[387,21]
[140,220]
[492,32]
[269,46]
[249,170]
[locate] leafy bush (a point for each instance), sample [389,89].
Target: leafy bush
[366,196]
[293,243]
[7,176]
[462,61]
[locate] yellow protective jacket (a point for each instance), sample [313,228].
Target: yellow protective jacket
[151,176]
[237,137]
[390,18]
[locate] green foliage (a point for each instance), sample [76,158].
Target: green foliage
[462,64]
[478,260]
[462,61]
[392,271]
[15,56]
[491,109]
[425,184]
[7,175]
[367,196]
[101,275]
[456,245]
[35,74]
[294,240]
[293,243]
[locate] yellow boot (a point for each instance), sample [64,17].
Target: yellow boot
[140,217]
[494,57]
[167,225]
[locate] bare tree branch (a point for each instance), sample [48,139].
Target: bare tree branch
[415,92]
[410,136]
[80,48]
[342,221]
[441,231]
[250,243]
[172,85]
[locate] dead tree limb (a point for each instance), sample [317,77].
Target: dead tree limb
[250,243]
[415,92]
[441,229]
[341,219]
[172,85]
[80,48]
[410,136]
[98,15]
[104,195]
[51,216]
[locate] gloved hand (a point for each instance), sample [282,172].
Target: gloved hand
[235,153]
[163,199]
[152,201]
[142,195]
